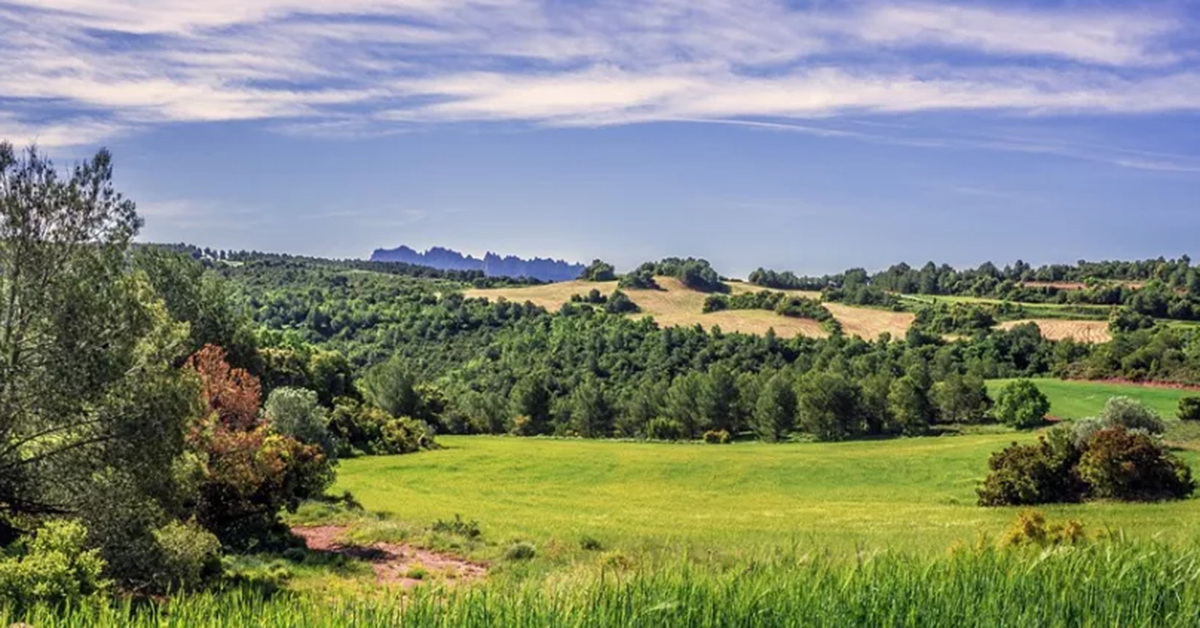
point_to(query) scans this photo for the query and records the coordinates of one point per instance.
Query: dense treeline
(1158, 288)
(515, 367)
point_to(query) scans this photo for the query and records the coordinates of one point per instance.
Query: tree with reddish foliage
(233, 394)
(248, 473)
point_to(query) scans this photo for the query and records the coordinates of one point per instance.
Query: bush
(295, 412)
(1189, 409)
(715, 303)
(590, 544)
(54, 568)
(403, 436)
(1021, 405)
(1126, 465)
(620, 303)
(1039, 473)
(664, 429)
(716, 437)
(520, 550)
(598, 270)
(1131, 415)
(457, 526)
(190, 556)
(1030, 528)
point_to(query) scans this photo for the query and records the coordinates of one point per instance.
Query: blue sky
(809, 136)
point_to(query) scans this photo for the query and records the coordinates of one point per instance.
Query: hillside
(492, 265)
(678, 306)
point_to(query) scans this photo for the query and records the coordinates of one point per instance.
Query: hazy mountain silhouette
(492, 264)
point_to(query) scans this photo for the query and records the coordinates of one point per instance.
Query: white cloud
(354, 66)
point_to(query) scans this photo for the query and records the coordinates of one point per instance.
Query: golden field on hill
(678, 306)
(1056, 329)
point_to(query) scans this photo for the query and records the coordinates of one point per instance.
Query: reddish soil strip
(1129, 382)
(394, 563)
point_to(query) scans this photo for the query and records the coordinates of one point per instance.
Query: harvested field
(869, 323)
(1054, 329)
(678, 306)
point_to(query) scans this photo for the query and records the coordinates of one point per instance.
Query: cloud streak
(97, 69)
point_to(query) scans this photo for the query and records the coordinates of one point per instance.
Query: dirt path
(394, 563)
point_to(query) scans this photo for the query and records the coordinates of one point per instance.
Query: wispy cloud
(355, 67)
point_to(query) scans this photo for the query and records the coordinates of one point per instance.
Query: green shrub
(716, 437)
(457, 526)
(190, 556)
(1126, 465)
(416, 572)
(1039, 473)
(1031, 528)
(590, 544)
(715, 303)
(620, 303)
(296, 412)
(54, 568)
(520, 550)
(1131, 415)
(663, 428)
(1189, 409)
(1021, 405)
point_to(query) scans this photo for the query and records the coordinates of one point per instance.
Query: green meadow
(1073, 399)
(914, 493)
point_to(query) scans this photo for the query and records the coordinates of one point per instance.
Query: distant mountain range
(492, 264)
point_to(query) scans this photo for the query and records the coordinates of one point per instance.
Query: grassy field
(916, 493)
(1077, 399)
(676, 305)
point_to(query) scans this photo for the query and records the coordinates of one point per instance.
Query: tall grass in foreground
(1098, 585)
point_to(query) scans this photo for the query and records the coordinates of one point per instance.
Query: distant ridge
(492, 264)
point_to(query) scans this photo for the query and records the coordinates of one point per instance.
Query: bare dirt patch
(394, 563)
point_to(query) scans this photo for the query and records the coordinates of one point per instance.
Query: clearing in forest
(895, 494)
(1055, 329)
(678, 306)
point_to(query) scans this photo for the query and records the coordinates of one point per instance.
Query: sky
(808, 136)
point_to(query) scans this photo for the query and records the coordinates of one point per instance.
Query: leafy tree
(720, 397)
(1020, 404)
(1039, 473)
(1131, 415)
(204, 302)
(86, 388)
(392, 388)
(331, 376)
(961, 399)
(591, 414)
(531, 401)
(828, 405)
(685, 404)
(620, 303)
(295, 412)
(909, 405)
(775, 412)
(1120, 464)
(598, 271)
(1189, 409)
(246, 474)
